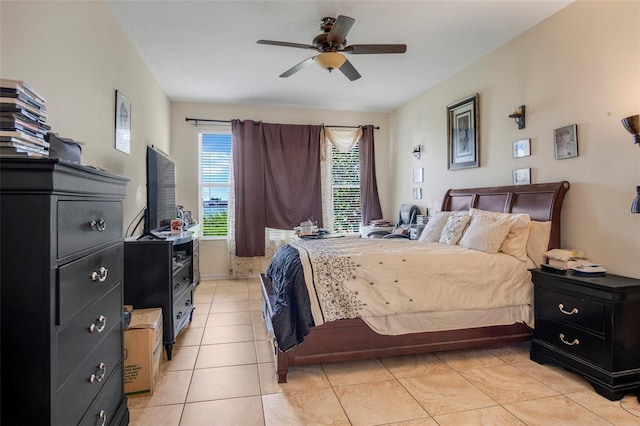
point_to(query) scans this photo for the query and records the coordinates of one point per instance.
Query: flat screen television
(161, 191)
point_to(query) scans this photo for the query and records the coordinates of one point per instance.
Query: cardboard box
(142, 351)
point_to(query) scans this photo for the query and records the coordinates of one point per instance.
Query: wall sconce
(632, 124)
(635, 206)
(416, 151)
(518, 115)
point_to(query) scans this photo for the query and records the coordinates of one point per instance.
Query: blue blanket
(292, 318)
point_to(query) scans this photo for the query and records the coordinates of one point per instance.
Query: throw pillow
(485, 234)
(453, 230)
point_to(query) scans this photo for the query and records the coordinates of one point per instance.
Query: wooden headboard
(542, 201)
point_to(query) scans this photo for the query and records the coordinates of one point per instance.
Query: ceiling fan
(331, 44)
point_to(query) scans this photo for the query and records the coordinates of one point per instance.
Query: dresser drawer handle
(574, 342)
(103, 416)
(573, 311)
(98, 225)
(102, 320)
(99, 374)
(100, 275)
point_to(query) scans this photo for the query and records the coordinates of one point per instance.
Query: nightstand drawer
(573, 340)
(571, 309)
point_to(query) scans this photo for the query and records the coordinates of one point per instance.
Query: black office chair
(406, 217)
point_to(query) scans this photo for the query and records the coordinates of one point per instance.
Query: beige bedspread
(360, 278)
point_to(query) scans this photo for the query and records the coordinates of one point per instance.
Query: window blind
(215, 183)
(345, 186)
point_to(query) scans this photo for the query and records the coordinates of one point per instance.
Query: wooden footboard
(352, 339)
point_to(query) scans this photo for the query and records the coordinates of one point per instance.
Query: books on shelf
(23, 116)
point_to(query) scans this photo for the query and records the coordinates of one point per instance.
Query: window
(345, 190)
(215, 182)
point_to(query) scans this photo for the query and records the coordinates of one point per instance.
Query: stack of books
(380, 222)
(23, 117)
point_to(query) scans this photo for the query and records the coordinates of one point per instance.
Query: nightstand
(589, 325)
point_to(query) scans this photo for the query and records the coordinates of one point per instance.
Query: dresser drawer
(182, 308)
(76, 340)
(573, 340)
(104, 409)
(92, 376)
(571, 309)
(84, 280)
(182, 278)
(86, 224)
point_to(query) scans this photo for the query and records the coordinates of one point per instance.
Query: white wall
(580, 66)
(76, 55)
(184, 150)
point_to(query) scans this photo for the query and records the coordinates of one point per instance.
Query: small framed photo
(418, 175)
(522, 148)
(417, 193)
(463, 129)
(522, 176)
(566, 142)
(123, 123)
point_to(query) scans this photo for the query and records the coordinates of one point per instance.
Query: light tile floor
(222, 373)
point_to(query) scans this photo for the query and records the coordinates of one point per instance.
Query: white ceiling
(206, 51)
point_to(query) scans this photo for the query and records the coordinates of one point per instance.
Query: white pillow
(485, 234)
(433, 229)
(453, 230)
(538, 242)
(515, 244)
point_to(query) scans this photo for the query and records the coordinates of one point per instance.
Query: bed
(329, 334)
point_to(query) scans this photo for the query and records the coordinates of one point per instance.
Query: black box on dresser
(61, 294)
(589, 325)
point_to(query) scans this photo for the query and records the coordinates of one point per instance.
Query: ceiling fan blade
(287, 44)
(339, 30)
(348, 70)
(298, 67)
(363, 49)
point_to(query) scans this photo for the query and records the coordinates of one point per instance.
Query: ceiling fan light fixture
(330, 60)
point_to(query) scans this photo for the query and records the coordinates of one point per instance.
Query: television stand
(159, 273)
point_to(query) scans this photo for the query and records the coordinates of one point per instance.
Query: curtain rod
(208, 120)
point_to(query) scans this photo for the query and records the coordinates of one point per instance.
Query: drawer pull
(99, 374)
(100, 275)
(179, 315)
(99, 225)
(103, 416)
(102, 320)
(573, 311)
(574, 342)
(187, 303)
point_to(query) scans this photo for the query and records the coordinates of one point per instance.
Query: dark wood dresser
(589, 325)
(160, 274)
(61, 294)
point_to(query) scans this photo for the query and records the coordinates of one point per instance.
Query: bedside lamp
(632, 124)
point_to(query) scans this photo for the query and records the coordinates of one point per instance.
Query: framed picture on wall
(522, 176)
(565, 141)
(463, 130)
(123, 123)
(418, 175)
(417, 193)
(522, 148)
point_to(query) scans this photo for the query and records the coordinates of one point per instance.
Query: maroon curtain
(248, 173)
(292, 175)
(277, 180)
(368, 184)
